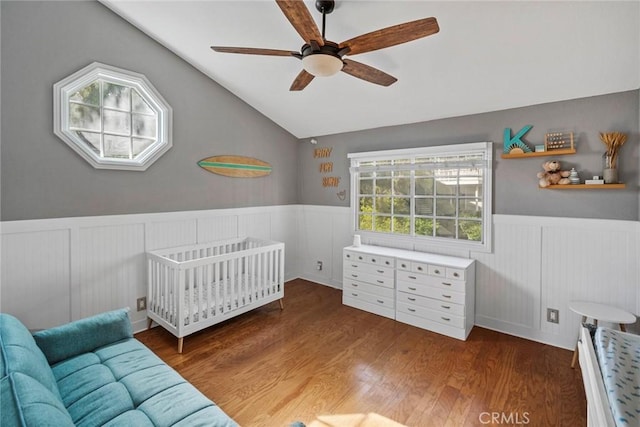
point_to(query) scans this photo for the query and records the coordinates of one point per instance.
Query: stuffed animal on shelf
(552, 174)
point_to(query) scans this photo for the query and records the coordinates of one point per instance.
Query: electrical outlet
(553, 315)
(319, 266)
(141, 303)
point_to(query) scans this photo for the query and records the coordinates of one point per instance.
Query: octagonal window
(112, 117)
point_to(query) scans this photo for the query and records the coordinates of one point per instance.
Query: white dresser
(368, 282)
(430, 291)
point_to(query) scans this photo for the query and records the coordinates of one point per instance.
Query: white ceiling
(488, 56)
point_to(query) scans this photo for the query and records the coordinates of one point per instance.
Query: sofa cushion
(20, 353)
(150, 381)
(101, 405)
(26, 402)
(127, 357)
(83, 382)
(174, 404)
(131, 418)
(84, 335)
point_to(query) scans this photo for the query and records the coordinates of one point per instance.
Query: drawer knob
(373, 260)
(412, 310)
(446, 296)
(412, 289)
(446, 307)
(348, 256)
(380, 281)
(404, 265)
(354, 265)
(387, 262)
(360, 258)
(354, 294)
(380, 271)
(436, 271)
(446, 319)
(354, 275)
(419, 268)
(412, 277)
(456, 275)
(380, 301)
(411, 299)
(446, 284)
(355, 285)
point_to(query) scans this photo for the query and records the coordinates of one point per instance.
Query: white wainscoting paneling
(537, 262)
(508, 280)
(322, 234)
(169, 234)
(58, 270)
(110, 273)
(592, 262)
(217, 227)
(35, 280)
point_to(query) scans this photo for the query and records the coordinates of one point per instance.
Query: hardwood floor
(271, 367)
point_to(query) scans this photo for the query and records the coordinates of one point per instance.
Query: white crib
(194, 287)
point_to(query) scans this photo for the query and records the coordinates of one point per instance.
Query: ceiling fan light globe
(322, 65)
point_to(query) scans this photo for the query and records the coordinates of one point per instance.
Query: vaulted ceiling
(488, 56)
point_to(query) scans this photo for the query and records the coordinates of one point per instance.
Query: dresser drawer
(380, 260)
(434, 304)
(403, 264)
(355, 285)
(431, 292)
(455, 273)
(438, 282)
(375, 270)
(436, 316)
(374, 279)
(431, 269)
(378, 300)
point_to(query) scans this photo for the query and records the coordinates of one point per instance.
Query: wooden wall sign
(236, 166)
(326, 167)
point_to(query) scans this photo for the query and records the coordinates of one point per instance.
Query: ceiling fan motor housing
(322, 61)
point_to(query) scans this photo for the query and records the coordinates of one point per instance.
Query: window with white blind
(441, 193)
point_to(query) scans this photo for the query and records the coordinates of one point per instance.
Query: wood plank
(270, 367)
(548, 153)
(585, 187)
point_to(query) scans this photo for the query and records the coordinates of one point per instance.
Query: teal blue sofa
(92, 372)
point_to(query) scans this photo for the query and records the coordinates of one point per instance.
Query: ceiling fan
(321, 57)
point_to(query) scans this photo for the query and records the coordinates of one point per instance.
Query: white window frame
(64, 89)
(484, 148)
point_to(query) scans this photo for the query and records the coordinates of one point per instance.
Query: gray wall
(515, 189)
(43, 42)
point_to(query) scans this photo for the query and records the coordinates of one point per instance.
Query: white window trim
(474, 147)
(65, 88)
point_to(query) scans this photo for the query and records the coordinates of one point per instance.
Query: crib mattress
(619, 358)
(196, 306)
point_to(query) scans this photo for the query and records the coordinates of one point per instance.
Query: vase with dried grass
(613, 141)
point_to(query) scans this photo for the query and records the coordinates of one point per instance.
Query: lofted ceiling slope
(488, 56)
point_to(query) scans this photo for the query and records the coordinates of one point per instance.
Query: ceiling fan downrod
(325, 7)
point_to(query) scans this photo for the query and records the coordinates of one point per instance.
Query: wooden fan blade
(392, 36)
(254, 51)
(299, 16)
(368, 73)
(301, 81)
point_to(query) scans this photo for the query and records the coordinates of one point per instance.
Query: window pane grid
(113, 120)
(443, 201)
